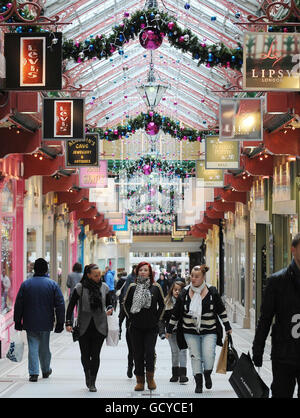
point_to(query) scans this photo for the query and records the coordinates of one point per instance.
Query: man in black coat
(282, 301)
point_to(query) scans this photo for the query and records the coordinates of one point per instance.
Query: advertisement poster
(221, 155)
(33, 62)
(208, 178)
(271, 61)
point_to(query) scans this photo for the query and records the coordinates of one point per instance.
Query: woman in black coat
(144, 306)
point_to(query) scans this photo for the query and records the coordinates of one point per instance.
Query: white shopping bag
(112, 338)
(16, 348)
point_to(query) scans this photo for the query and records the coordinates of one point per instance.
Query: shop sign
(271, 61)
(92, 177)
(63, 119)
(83, 153)
(33, 61)
(123, 227)
(221, 155)
(241, 119)
(208, 178)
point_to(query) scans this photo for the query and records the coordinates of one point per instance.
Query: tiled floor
(67, 379)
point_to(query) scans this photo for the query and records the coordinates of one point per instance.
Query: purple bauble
(151, 220)
(152, 128)
(147, 169)
(150, 38)
(171, 25)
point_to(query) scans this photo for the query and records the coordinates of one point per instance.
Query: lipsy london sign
(271, 61)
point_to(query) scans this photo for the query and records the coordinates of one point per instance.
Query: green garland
(179, 169)
(155, 218)
(167, 125)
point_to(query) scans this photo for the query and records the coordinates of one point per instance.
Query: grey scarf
(141, 296)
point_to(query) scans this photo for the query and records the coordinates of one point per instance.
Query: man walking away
(109, 278)
(282, 301)
(39, 302)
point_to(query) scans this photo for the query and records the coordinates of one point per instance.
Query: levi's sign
(271, 61)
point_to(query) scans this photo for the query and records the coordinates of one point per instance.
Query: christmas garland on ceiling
(142, 121)
(152, 219)
(146, 164)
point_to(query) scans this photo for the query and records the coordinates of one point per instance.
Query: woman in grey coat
(94, 306)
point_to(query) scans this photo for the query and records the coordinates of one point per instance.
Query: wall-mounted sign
(209, 178)
(33, 61)
(241, 119)
(63, 119)
(271, 61)
(90, 177)
(224, 154)
(85, 154)
(123, 227)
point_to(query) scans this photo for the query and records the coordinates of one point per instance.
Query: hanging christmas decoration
(150, 38)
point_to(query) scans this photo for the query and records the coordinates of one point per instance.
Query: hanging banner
(271, 61)
(241, 119)
(221, 155)
(63, 119)
(208, 178)
(84, 153)
(92, 177)
(33, 61)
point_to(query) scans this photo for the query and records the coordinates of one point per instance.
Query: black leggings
(143, 345)
(90, 344)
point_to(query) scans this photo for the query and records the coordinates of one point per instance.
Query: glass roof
(113, 82)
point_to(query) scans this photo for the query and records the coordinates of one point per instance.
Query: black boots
(87, 378)
(199, 383)
(175, 374)
(182, 375)
(208, 382)
(92, 384)
(129, 370)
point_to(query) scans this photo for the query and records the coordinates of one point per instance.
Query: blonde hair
(168, 298)
(203, 268)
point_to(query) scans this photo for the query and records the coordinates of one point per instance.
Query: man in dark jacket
(282, 301)
(38, 302)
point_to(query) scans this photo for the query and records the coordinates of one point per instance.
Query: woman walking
(179, 357)
(144, 306)
(197, 310)
(94, 306)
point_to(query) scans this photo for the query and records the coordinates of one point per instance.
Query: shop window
(48, 252)
(6, 264)
(31, 251)
(7, 197)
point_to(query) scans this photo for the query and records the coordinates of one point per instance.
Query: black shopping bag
(245, 380)
(232, 355)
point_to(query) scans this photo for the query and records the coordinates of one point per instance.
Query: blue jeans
(38, 351)
(202, 349)
(179, 357)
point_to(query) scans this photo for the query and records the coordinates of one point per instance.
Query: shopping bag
(222, 362)
(245, 380)
(232, 355)
(112, 337)
(16, 348)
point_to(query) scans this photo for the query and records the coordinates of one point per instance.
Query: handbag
(232, 355)
(118, 292)
(76, 328)
(222, 362)
(245, 380)
(112, 337)
(16, 349)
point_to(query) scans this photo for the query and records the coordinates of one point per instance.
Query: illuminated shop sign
(33, 61)
(221, 155)
(271, 61)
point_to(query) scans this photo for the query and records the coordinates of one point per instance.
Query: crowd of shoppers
(188, 314)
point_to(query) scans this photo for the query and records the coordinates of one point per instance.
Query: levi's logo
(296, 328)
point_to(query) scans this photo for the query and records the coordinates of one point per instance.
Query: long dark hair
(168, 298)
(144, 263)
(87, 270)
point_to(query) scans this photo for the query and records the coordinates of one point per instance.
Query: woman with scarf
(196, 312)
(144, 306)
(94, 306)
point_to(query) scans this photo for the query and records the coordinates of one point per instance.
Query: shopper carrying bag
(16, 348)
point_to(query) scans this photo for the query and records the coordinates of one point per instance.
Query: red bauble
(150, 38)
(152, 128)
